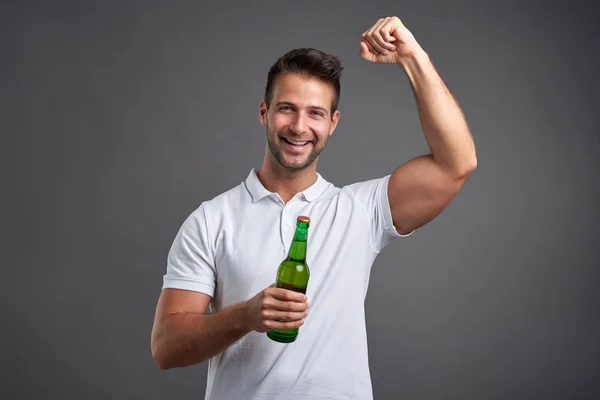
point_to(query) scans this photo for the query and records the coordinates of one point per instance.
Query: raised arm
(421, 188)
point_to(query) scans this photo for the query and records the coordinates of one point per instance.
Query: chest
(251, 247)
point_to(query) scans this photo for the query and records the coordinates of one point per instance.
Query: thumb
(364, 52)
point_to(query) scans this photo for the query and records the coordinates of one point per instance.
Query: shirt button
(287, 227)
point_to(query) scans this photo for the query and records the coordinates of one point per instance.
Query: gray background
(119, 118)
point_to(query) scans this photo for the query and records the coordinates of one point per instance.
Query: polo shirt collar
(258, 191)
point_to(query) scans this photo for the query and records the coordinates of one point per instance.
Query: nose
(299, 124)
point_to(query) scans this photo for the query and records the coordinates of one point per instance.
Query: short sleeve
(373, 197)
(190, 262)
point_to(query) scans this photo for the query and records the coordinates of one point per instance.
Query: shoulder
(231, 197)
(369, 184)
(213, 208)
(366, 190)
(358, 191)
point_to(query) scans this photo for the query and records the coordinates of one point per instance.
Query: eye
(319, 113)
(285, 108)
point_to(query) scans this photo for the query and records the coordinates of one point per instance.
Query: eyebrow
(287, 103)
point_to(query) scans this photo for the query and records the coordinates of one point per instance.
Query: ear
(262, 112)
(334, 121)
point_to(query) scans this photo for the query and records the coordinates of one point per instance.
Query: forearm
(185, 339)
(444, 125)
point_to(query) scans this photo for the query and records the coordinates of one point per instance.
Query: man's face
(300, 112)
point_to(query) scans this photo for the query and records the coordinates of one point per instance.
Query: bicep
(418, 191)
(175, 301)
(172, 302)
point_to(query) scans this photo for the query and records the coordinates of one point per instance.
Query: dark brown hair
(309, 62)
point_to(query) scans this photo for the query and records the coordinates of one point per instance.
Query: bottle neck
(298, 247)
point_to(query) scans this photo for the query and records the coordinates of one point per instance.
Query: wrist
(419, 70)
(242, 319)
(413, 60)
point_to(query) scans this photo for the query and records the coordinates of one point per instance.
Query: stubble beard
(278, 155)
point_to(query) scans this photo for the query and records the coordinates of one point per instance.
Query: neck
(284, 182)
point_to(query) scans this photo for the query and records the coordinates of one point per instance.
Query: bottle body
(293, 274)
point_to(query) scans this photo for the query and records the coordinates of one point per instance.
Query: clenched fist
(388, 42)
(276, 308)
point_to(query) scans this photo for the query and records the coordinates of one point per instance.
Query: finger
(370, 49)
(373, 42)
(386, 33)
(365, 52)
(378, 32)
(377, 25)
(274, 304)
(368, 36)
(283, 325)
(287, 295)
(371, 52)
(371, 28)
(283, 316)
(381, 42)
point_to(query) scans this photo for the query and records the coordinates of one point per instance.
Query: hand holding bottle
(276, 308)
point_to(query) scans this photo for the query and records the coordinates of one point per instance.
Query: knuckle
(264, 314)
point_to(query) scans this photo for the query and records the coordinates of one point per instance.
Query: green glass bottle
(293, 274)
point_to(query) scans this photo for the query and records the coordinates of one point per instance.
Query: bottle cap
(304, 219)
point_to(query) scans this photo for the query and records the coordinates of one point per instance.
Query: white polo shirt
(230, 248)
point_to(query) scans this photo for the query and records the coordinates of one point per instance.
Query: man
(227, 251)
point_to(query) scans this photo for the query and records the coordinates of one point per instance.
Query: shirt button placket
(285, 229)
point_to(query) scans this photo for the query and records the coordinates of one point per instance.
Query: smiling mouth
(295, 143)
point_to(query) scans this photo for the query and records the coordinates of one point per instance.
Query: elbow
(471, 166)
(466, 169)
(159, 354)
(161, 363)
(159, 359)
(166, 357)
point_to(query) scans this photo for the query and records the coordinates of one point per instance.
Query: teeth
(296, 143)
